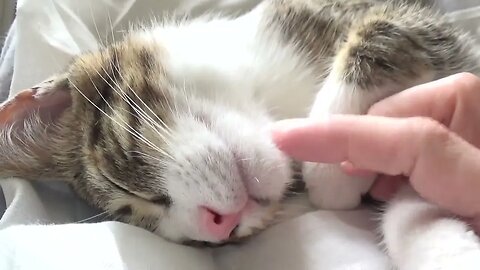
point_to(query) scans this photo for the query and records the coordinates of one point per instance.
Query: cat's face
(152, 155)
(212, 175)
(223, 177)
(220, 176)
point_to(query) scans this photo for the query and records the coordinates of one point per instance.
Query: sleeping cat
(168, 129)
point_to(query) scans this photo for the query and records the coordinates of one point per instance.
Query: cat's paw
(451, 248)
(420, 235)
(330, 188)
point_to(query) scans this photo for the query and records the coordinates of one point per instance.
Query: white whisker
(131, 102)
(144, 116)
(129, 130)
(141, 114)
(160, 123)
(148, 156)
(96, 26)
(92, 217)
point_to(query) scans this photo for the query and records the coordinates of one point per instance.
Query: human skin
(428, 134)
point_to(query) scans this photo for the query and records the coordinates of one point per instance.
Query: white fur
(329, 187)
(419, 235)
(237, 80)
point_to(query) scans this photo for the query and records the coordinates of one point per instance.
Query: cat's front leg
(378, 60)
(328, 186)
(419, 235)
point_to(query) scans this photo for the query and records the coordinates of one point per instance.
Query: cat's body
(177, 139)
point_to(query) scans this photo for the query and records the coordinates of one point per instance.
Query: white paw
(420, 235)
(330, 188)
(447, 246)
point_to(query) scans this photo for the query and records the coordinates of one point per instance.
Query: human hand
(429, 133)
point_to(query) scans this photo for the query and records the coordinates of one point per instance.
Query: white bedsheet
(49, 33)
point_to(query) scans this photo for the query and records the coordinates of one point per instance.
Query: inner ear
(45, 103)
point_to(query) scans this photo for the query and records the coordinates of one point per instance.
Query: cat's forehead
(136, 56)
(133, 67)
(120, 97)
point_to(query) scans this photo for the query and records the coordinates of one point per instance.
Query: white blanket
(49, 33)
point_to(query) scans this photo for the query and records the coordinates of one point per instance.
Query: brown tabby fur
(365, 43)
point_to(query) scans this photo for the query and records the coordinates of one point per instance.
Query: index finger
(436, 160)
(368, 142)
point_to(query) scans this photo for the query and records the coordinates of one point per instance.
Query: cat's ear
(45, 102)
(27, 121)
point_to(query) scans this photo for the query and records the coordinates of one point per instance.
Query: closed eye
(163, 199)
(261, 202)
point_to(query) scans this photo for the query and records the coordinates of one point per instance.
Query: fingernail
(348, 166)
(351, 169)
(281, 131)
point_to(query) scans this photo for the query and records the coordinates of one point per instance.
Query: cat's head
(147, 151)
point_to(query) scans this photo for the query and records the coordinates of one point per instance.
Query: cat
(168, 129)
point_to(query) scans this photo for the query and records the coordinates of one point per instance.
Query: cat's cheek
(266, 171)
(255, 218)
(269, 182)
(178, 224)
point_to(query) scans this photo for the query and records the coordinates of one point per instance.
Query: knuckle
(468, 76)
(431, 130)
(465, 88)
(467, 82)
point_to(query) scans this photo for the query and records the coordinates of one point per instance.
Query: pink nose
(217, 225)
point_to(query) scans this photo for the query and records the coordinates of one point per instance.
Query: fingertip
(304, 139)
(282, 131)
(283, 126)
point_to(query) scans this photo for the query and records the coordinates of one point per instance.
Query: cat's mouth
(232, 240)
